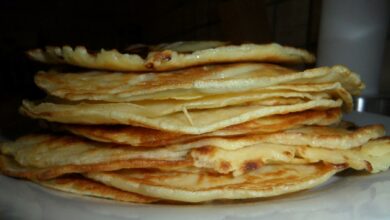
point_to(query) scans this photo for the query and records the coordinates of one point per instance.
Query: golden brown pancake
(335, 137)
(76, 184)
(187, 185)
(145, 137)
(172, 56)
(277, 95)
(255, 156)
(50, 156)
(156, 108)
(190, 83)
(193, 122)
(184, 186)
(10, 167)
(86, 187)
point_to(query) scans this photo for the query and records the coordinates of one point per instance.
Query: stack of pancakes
(191, 122)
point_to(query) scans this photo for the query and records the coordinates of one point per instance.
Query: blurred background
(117, 24)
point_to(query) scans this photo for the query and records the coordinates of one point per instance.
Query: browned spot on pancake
(149, 65)
(162, 57)
(331, 113)
(343, 166)
(154, 138)
(300, 152)
(251, 165)
(277, 173)
(225, 166)
(339, 166)
(201, 178)
(205, 150)
(287, 153)
(65, 141)
(368, 166)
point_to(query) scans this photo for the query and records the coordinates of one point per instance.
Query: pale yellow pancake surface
(184, 186)
(172, 56)
(189, 122)
(138, 136)
(190, 83)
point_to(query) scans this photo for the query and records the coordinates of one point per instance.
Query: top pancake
(171, 56)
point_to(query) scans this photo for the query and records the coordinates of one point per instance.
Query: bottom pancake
(184, 184)
(271, 180)
(10, 167)
(81, 186)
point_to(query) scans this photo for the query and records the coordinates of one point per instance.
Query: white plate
(344, 197)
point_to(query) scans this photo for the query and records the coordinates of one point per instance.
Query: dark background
(117, 24)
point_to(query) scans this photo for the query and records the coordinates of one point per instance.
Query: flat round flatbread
(11, 167)
(171, 56)
(188, 122)
(195, 83)
(257, 156)
(48, 156)
(184, 186)
(86, 187)
(146, 137)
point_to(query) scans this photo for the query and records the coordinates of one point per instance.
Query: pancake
(191, 122)
(51, 156)
(190, 83)
(280, 122)
(278, 95)
(257, 156)
(145, 137)
(171, 56)
(157, 108)
(10, 167)
(86, 187)
(139, 185)
(76, 184)
(378, 150)
(45, 150)
(183, 186)
(336, 137)
(194, 122)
